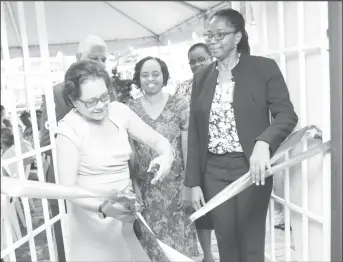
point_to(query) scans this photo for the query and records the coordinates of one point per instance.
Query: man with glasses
(92, 48)
(199, 55)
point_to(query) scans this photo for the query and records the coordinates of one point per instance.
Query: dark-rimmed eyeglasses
(94, 101)
(200, 60)
(218, 36)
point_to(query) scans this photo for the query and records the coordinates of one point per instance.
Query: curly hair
(80, 72)
(139, 65)
(237, 21)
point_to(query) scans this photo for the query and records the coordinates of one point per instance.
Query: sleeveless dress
(102, 166)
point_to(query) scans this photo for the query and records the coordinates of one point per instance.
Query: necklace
(229, 87)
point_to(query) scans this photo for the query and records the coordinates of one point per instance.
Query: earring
(235, 45)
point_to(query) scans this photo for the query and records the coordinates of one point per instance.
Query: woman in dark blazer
(230, 133)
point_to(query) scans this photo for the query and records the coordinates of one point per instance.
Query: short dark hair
(79, 73)
(7, 137)
(25, 114)
(199, 45)
(237, 21)
(7, 123)
(139, 65)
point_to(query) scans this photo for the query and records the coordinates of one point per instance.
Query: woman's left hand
(161, 166)
(119, 211)
(259, 161)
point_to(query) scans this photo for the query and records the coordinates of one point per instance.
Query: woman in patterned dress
(167, 206)
(199, 55)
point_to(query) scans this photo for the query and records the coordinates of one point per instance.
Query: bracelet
(100, 212)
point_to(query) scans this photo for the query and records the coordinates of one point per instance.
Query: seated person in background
(25, 118)
(39, 117)
(8, 151)
(4, 122)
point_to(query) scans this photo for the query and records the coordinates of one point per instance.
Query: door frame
(335, 59)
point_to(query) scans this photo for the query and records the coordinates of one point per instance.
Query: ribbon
(278, 164)
(125, 199)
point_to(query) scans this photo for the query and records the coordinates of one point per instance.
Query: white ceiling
(119, 23)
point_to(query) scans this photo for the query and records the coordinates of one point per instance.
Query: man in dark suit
(93, 48)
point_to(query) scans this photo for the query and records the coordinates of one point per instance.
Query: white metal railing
(8, 251)
(302, 49)
(307, 216)
(291, 210)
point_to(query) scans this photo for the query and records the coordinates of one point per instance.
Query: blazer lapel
(241, 92)
(208, 86)
(207, 92)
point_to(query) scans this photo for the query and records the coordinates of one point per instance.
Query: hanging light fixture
(195, 36)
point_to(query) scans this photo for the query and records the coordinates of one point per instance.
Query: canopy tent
(119, 23)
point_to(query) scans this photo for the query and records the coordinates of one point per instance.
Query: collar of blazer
(206, 81)
(206, 78)
(202, 95)
(211, 69)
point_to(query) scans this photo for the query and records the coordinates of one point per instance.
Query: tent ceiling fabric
(68, 22)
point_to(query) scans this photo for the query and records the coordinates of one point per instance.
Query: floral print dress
(170, 224)
(184, 89)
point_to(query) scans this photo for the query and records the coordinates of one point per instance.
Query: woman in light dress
(92, 152)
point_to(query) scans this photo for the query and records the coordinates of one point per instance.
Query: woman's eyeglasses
(94, 101)
(218, 36)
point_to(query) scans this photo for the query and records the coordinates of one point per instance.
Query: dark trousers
(55, 211)
(239, 223)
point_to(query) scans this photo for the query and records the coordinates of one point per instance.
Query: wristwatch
(100, 212)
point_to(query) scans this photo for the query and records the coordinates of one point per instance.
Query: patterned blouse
(223, 137)
(184, 89)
